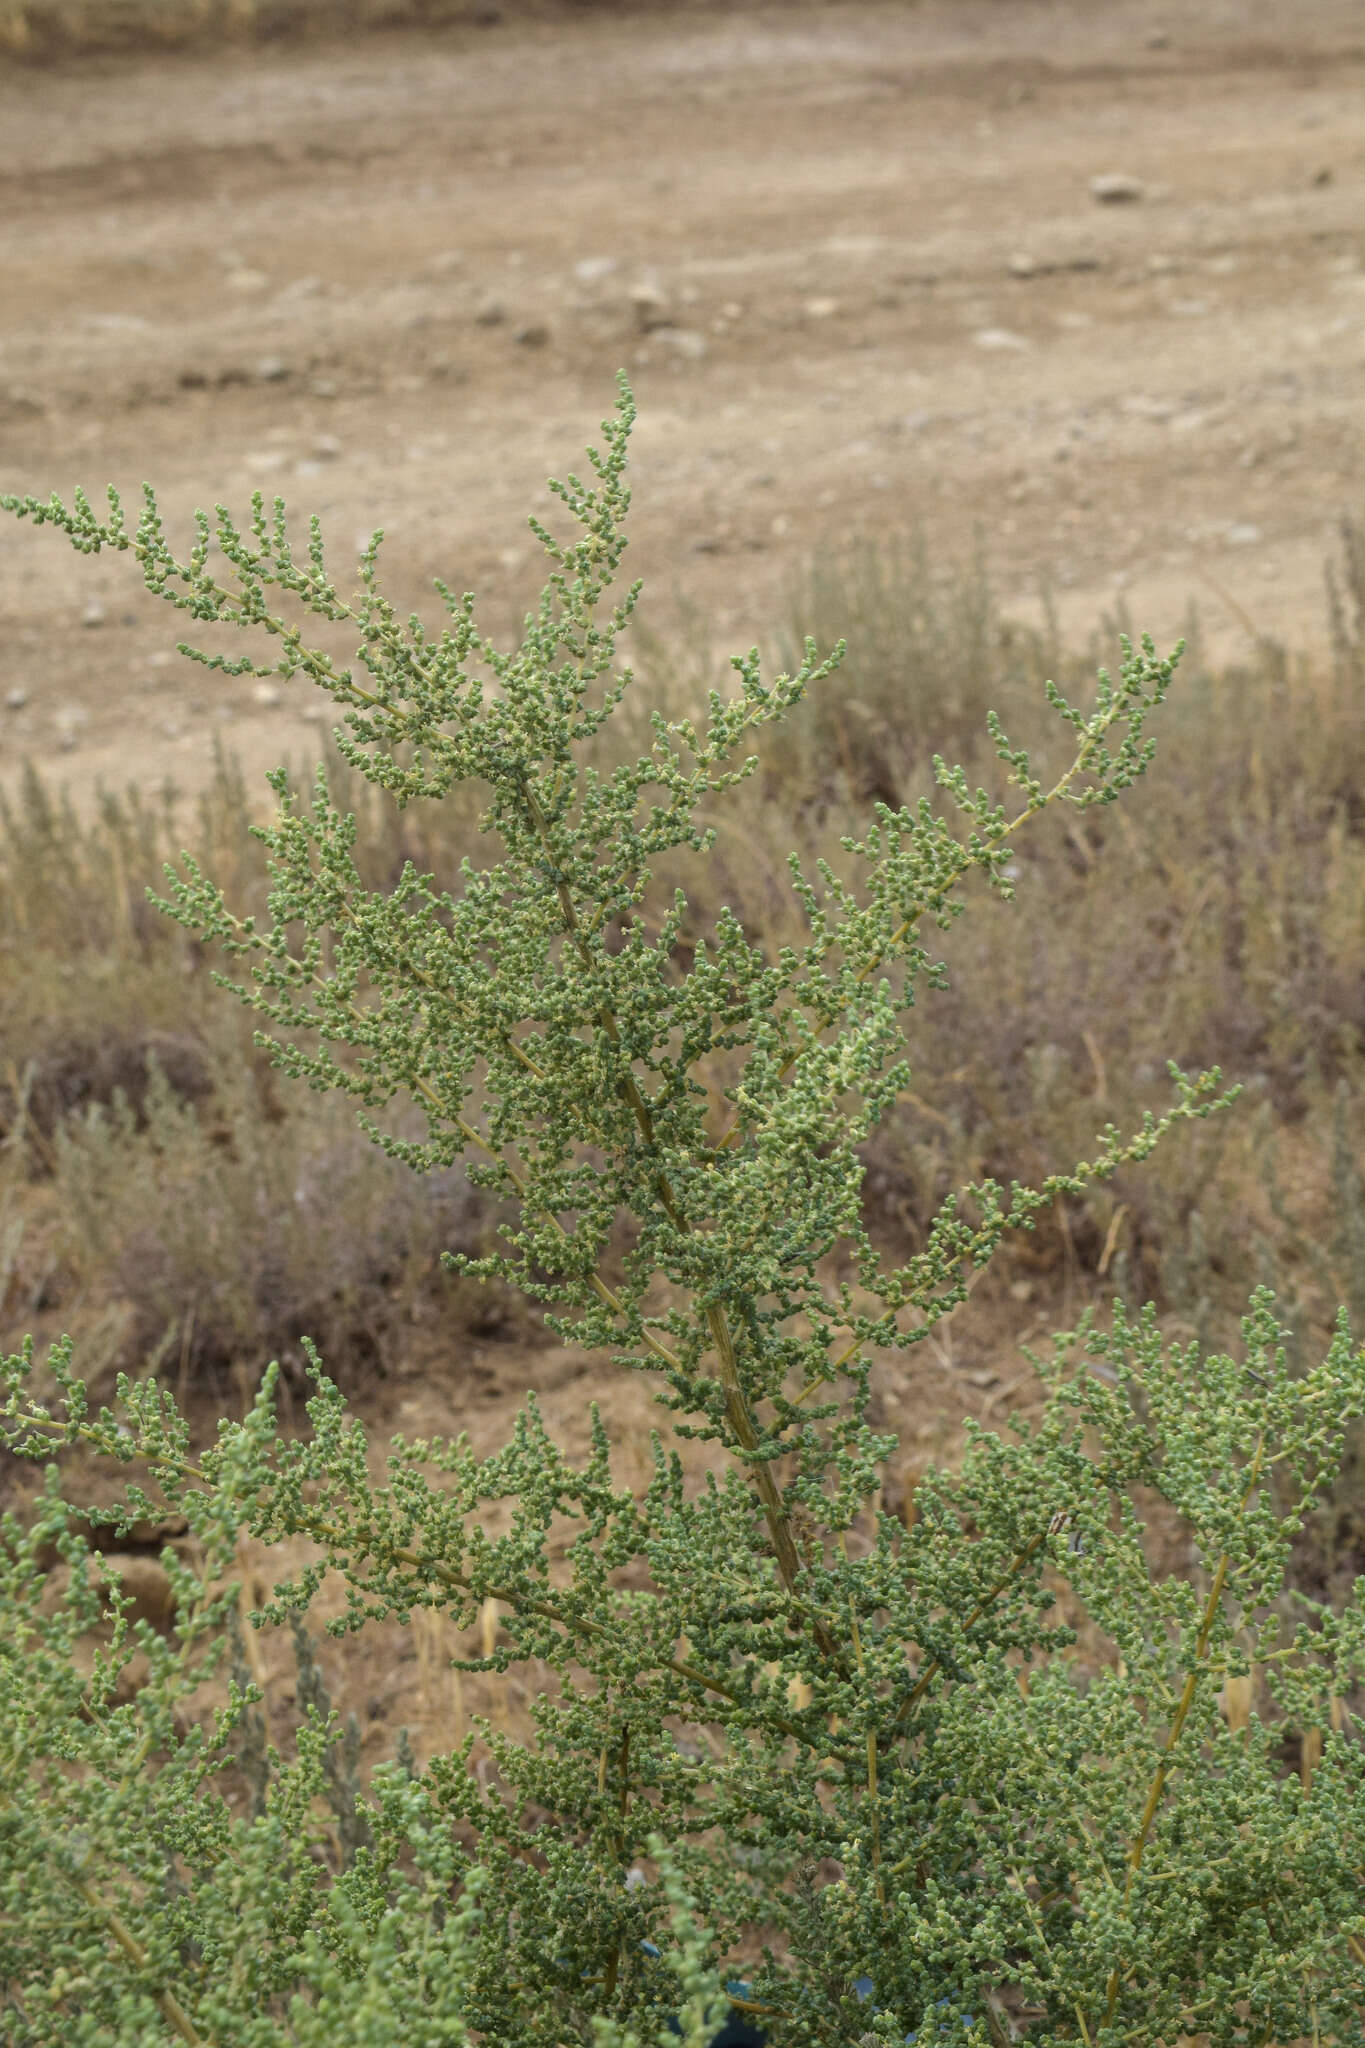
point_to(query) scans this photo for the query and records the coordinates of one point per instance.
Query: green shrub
(1063, 1752)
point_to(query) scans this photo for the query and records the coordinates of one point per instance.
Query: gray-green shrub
(908, 1770)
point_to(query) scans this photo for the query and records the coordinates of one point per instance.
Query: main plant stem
(738, 1413)
(1178, 1720)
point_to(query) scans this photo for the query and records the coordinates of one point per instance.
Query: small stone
(684, 341)
(273, 369)
(15, 700)
(192, 380)
(590, 268)
(534, 334)
(489, 313)
(998, 338)
(326, 448)
(1021, 264)
(94, 613)
(266, 695)
(821, 309)
(323, 387)
(1323, 175)
(1116, 188)
(1243, 536)
(246, 280)
(650, 303)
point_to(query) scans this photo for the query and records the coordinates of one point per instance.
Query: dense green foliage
(855, 1749)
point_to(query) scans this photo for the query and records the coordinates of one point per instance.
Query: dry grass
(156, 1184)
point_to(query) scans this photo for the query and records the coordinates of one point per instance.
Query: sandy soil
(850, 256)
(852, 259)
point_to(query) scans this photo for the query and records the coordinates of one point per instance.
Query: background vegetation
(165, 1197)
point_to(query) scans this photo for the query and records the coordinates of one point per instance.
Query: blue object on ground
(741, 2032)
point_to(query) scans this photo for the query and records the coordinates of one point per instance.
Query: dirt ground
(850, 256)
(855, 262)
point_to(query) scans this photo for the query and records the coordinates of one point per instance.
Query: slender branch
(327, 1535)
(1178, 1719)
(872, 1789)
(623, 1808)
(1020, 1562)
(167, 2004)
(907, 925)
